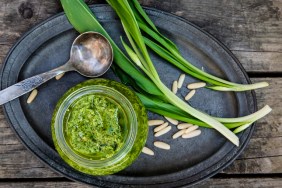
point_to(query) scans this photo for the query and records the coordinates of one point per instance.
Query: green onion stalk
(168, 50)
(140, 73)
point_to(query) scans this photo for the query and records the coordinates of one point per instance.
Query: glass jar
(135, 128)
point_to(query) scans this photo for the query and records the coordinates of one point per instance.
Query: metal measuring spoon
(91, 55)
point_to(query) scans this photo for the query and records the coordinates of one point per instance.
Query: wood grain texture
(211, 183)
(249, 25)
(262, 155)
(242, 183)
(44, 184)
(258, 62)
(252, 29)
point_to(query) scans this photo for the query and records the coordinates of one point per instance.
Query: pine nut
(178, 134)
(192, 134)
(59, 76)
(162, 145)
(172, 121)
(191, 129)
(163, 131)
(147, 151)
(196, 85)
(32, 96)
(180, 81)
(155, 122)
(190, 94)
(174, 87)
(184, 125)
(157, 129)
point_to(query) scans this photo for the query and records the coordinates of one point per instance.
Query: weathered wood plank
(260, 61)
(43, 184)
(15, 160)
(257, 165)
(264, 152)
(4, 49)
(252, 25)
(263, 147)
(211, 183)
(241, 182)
(251, 28)
(262, 155)
(271, 125)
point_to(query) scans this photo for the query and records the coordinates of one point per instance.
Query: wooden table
(251, 29)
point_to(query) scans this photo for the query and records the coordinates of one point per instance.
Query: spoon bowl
(91, 55)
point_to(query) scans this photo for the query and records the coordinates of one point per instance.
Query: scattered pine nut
(178, 134)
(32, 96)
(162, 145)
(157, 129)
(163, 131)
(191, 129)
(59, 76)
(180, 81)
(190, 94)
(196, 85)
(147, 151)
(172, 121)
(184, 125)
(155, 122)
(192, 134)
(174, 87)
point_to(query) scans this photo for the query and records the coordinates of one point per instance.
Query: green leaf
(173, 99)
(220, 84)
(151, 102)
(180, 118)
(166, 109)
(143, 18)
(169, 57)
(83, 20)
(249, 118)
(153, 75)
(130, 24)
(241, 128)
(143, 14)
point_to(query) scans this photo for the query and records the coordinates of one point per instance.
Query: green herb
(92, 127)
(140, 56)
(83, 20)
(174, 112)
(167, 50)
(153, 93)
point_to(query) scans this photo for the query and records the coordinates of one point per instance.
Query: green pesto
(92, 126)
(141, 134)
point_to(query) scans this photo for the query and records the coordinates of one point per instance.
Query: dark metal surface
(189, 161)
(92, 62)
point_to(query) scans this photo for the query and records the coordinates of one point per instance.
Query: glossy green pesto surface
(139, 141)
(92, 126)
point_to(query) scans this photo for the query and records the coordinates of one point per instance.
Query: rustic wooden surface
(252, 29)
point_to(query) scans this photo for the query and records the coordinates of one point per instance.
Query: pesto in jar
(92, 126)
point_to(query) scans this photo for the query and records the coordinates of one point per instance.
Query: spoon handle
(29, 84)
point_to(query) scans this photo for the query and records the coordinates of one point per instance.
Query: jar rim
(130, 137)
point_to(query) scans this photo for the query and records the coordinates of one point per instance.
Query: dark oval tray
(190, 161)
